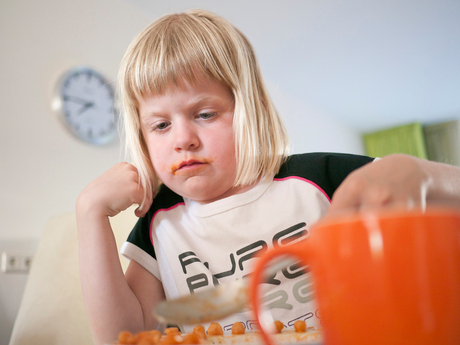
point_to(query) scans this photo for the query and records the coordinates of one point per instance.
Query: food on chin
(214, 335)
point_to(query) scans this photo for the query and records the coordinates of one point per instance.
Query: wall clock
(85, 102)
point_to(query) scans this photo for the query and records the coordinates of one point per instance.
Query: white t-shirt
(190, 246)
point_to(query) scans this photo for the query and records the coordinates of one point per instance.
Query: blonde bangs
(176, 47)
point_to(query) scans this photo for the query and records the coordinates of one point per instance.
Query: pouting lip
(195, 162)
(188, 162)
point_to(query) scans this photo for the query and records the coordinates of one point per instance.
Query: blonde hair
(187, 45)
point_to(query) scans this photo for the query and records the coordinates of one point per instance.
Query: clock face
(85, 101)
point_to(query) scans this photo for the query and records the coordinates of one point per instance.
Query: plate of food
(214, 335)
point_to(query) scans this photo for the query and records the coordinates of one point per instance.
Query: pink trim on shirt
(154, 215)
(305, 180)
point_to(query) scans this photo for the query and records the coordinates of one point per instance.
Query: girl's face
(189, 134)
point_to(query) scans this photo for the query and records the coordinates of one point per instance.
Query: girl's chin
(198, 188)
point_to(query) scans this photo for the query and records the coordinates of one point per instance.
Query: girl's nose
(185, 137)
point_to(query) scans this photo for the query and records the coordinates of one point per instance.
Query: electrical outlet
(16, 262)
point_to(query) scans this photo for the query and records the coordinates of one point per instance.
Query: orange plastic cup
(381, 278)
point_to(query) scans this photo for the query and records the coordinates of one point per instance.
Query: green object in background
(408, 139)
(443, 142)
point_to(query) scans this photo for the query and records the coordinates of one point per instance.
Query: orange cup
(381, 278)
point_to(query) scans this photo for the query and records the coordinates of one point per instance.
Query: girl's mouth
(189, 167)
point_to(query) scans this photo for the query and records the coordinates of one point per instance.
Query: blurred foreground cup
(380, 277)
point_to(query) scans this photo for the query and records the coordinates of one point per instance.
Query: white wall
(42, 167)
(311, 129)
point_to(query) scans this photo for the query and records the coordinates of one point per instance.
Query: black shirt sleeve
(140, 235)
(327, 170)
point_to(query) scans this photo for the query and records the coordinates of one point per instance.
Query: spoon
(214, 303)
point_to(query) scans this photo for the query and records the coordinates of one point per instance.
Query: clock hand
(87, 105)
(76, 100)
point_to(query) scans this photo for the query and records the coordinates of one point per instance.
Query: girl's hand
(115, 191)
(395, 180)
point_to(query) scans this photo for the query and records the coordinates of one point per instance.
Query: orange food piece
(143, 340)
(154, 336)
(171, 339)
(191, 339)
(300, 326)
(238, 328)
(278, 326)
(215, 329)
(147, 337)
(199, 331)
(172, 330)
(126, 337)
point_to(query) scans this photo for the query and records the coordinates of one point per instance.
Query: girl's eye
(207, 116)
(161, 126)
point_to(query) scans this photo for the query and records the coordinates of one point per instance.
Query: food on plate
(172, 331)
(238, 328)
(300, 334)
(300, 326)
(215, 329)
(141, 338)
(278, 326)
(191, 338)
(199, 331)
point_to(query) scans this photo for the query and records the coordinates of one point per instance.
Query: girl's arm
(112, 304)
(138, 278)
(398, 180)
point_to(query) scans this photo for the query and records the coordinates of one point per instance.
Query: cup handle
(299, 252)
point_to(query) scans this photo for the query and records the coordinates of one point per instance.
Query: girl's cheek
(156, 161)
(160, 166)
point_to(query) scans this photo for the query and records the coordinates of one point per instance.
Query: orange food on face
(278, 326)
(215, 329)
(199, 331)
(238, 328)
(300, 326)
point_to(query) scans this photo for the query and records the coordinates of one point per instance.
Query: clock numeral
(67, 83)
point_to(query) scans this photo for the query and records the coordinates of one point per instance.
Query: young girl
(214, 182)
